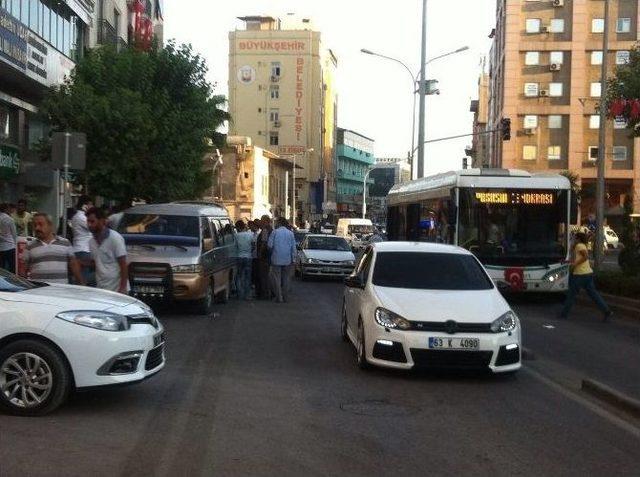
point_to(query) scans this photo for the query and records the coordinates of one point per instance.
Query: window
(623, 25)
(276, 69)
(555, 121)
(531, 89)
(594, 121)
(274, 115)
(619, 123)
(556, 57)
(429, 271)
(596, 89)
(532, 58)
(533, 25)
(529, 152)
(556, 25)
(116, 22)
(554, 153)
(275, 92)
(530, 121)
(622, 57)
(274, 139)
(225, 232)
(597, 25)
(596, 57)
(34, 17)
(593, 153)
(619, 153)
(555, 89)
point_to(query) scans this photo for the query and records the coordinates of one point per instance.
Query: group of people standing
(96, 256)
(266, 257)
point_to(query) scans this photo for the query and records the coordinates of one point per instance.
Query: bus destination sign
(516, 197)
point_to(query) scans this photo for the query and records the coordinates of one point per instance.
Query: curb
(611, 396)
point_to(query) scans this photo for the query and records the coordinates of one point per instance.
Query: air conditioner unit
(555, 66)
(276, 124)
(544, 29)
(275, 79)
(529, 131)
(557, 3)
(544, 92)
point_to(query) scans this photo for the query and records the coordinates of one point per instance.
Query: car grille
(154, 358)
(442, 327)
(450, 358)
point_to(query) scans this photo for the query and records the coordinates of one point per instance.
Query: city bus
(515, 222)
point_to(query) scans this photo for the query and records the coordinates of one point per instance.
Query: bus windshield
(514, 227)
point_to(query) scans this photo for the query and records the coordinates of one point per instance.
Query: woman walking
(582, 277)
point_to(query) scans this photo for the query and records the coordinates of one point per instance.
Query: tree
(150, 117)
(623, 92)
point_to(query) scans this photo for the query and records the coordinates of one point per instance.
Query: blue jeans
(88, 272)
(576, 283)
(244, 278)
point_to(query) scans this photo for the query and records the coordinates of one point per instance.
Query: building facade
(479, 150)
(40, 42)
(282, 94)
(354, 157)
(387, 172)
(545, 76)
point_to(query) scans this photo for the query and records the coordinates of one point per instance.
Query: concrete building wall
(515, 75)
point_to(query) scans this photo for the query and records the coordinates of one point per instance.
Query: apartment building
(354, 156)
(479, 150)
(282, 94)
(545, 69)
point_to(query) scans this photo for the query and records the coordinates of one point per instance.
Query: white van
(356, 231)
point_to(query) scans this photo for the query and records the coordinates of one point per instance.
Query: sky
(375, 95)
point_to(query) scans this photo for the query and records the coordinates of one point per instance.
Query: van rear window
(159, 225)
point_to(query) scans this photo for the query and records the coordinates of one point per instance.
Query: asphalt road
(268, 389)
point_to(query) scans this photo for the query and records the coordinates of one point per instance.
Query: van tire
(204, 306)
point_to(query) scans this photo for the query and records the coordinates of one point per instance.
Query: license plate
(454, 343)
(149, 289)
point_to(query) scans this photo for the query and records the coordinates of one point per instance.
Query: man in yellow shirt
(582, 277)
(22, 218)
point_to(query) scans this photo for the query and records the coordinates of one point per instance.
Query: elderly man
(48, 258)
(282, 244)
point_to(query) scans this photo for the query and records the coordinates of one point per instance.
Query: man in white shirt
(109, 253)
(8, 240)
(245, 244)
(82, 236)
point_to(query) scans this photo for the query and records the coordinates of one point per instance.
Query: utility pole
(602, 144)
(422, 91)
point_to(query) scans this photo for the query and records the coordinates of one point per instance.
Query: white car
(610, 237)
(324, 256)
(57, 338)
(428, 305)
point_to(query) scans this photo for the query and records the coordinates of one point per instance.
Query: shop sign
(9, 161)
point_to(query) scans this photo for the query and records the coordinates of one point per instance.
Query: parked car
(356, 231)
(428, 305)
(324, 256)
(299, 235)
(180, 252)
(57, 338)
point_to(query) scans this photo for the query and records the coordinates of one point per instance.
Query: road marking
(549, 327)
(603, 413)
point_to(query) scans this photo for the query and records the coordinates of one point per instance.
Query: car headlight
(556, 275)
(100, 320)
(193, 268)
(507, 322)
(389, 319)
(311, 260)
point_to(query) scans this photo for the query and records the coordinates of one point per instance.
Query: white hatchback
(56, 338)
(428, 305)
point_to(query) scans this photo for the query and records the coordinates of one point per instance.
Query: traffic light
(505, 127)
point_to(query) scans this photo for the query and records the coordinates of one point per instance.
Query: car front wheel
(34, 378)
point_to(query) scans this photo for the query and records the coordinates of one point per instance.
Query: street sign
(77, 150)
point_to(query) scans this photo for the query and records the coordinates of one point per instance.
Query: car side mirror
(354, 281)
(207, 244)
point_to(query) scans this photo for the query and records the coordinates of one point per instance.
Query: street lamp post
(414, 82)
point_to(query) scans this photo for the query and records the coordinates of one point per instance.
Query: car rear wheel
(34, 378)
(361, 352)
(343, 324)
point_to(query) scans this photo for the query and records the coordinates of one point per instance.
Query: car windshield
(429, 271)
(13, 283)
(159, 225)
(328, 243)
(360, 229)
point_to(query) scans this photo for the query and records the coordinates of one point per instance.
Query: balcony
(108, 35)
(352, 153)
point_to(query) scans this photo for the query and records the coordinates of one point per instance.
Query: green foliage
(148, 117)
(629, 258)
(625, 85)
(617, 283)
